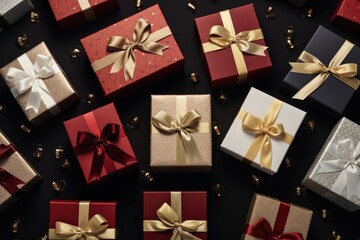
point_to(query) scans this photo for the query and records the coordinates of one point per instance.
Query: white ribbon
(348, 162)
(31, 79)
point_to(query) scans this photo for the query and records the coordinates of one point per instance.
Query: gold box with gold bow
(262, 131)
(180, 132)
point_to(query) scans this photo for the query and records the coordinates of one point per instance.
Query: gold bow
(169, 219)
(184, 126)
(122, 48)
(264, 130)
(94, 227)
(312, 65)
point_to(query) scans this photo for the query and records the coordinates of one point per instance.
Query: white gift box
(237, 141)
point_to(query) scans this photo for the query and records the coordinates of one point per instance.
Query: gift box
(12, 10)
(180, 132)
(268, 218)
(100, 144)
(298, 3)
(72, 13)
(124, 61)
(262, 131)
(347, 15)
(38, 84)
(82, 219)
(335, 171)
(311, 80)
(246, 58)
(182, 215)
(16, 175)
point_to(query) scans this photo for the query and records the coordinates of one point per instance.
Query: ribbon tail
(118, 155)
(34, 101)
(190, 147)
(255, 148)
(9, 181)
(254, 49)
(353, 184)
(311, 86)
(186, 235)
(266, 153)
(130, 65)
(97, 163)
(340, 182)
(153, 47)
(119, 62)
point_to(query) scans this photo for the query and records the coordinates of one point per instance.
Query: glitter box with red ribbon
(347, 15)
(175, 215)
(16, 175)
(100, 144)
(71, 219)
(133, 53)
(71, 13)
(268, 218)
(235, 37)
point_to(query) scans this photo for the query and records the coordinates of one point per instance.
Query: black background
(226, 215)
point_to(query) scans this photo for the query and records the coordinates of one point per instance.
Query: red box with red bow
(100, 144)
(347, 15)
(133, 53)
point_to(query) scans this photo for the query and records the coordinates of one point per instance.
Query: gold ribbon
(222, 37)
(86, 9)
(264, 130)
(312, 65)
(122, 48)
(170, 219)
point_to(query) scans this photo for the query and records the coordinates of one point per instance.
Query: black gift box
(333, 94)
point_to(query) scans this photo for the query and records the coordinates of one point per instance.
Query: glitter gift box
(125, 62)
(16, 175)
(347, 15)
(71, 13)
(268, 218)
(12, 10)
(101, 144)
(38, 84)
(262, 131)
(336, 169)
(180, 132)
(241, 60)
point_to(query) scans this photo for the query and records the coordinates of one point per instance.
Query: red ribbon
(7, 180)
(262, 228)
(87, 141)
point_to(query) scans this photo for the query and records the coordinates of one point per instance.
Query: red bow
(7, 180)
(87, 141)
(262, 229)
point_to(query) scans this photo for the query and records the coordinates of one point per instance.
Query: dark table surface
(226, 215)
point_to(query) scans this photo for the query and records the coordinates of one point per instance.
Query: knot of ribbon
(122, 49)
(347, 162)
(101, 145)
(184, 126)
(91, 231)
(31, 79)
(7, 180)
(312, 65)
(263, 230)
(222, 37)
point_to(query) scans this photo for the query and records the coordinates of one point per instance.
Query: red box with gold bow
(16, 175)
(235, 37)
(182, 215)
(133, 53)
(347, 15)
(268, 218)
(82, 220)
(100, 144)
(71, 13)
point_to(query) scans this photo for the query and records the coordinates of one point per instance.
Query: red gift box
(69, 218)
(146, 65)
(100, 144)
(190, 213)
(347, 15)
(236, 65)
(71, 13)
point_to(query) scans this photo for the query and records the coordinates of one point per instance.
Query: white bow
(30, 78)
(348, 162)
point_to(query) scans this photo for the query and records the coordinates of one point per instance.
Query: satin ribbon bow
(262, 230)
(170, 220)
(123, 49)
(91, 231)
(87, 141)
(31, 79)
(312, 65)
(222, 37)
(184, 126)
(7, 180)
(347, 162)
